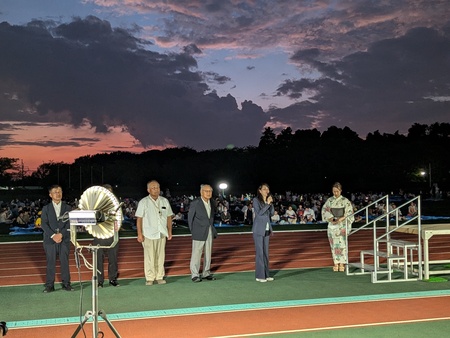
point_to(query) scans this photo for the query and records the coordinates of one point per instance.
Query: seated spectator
(300, 214)
(248, 214)
(412, 210)
(23, 218)
(309, 215)
(220, 207)
(290, 215)
(381, 210)
(5, 216)
(225, 216)
(178, 219)
(20, 219)
(275, 217)
(392, 207)
(38, 221)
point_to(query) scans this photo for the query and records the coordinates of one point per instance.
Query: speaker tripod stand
(95, 313)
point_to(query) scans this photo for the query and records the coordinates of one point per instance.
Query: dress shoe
(161, 281)
(210, 277)
(261, 280)
(269, 279)
(100, 284)
(196, 279)
(49, 289)
(68, 287)
(149, 282)
(114, 283)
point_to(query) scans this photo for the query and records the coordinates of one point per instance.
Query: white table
(428, 231)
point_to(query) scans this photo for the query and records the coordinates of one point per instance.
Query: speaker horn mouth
(107, 209)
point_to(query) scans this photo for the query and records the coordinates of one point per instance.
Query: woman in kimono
(338, 212)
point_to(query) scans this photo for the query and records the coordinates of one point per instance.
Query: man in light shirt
(154, 225)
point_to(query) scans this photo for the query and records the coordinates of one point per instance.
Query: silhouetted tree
(417, 131)
(300, 161)
(7, 164)
(284, 138)
(268, 138)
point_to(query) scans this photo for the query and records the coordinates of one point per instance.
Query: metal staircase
(391, 258)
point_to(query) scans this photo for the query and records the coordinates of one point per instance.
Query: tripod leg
(102, 314)
(80, 326)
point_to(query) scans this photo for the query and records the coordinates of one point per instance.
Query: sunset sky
(81, 77)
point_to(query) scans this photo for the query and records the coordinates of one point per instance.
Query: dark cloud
(87, 70)
(7, 126)
(338, 28)
(5, 139)
(364, 64)
(215, 77)
(396, 83)
(48, 144)
(54, 144)
(125, 148)
(192, 49)
(346, 52)
(85, 139)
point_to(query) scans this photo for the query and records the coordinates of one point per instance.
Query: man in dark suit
(113, 270)
(56, 239)
(201, 223)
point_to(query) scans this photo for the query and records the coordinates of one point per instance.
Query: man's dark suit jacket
(50, 223)
(199, 222)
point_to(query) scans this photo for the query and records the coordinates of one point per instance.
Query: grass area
(179, 292)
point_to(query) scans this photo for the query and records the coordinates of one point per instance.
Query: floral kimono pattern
(337, 232)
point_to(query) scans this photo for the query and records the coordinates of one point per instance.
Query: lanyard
(156, 204)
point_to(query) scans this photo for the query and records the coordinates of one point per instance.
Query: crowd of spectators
(290, 208)
(19, 213)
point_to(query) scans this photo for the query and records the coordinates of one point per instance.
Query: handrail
(406, 222)
(366, 209)
(386, 216)
(418, 217)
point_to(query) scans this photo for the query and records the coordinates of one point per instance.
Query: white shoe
(261, 280)
(269, 279)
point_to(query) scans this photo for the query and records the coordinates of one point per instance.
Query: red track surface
(285, 320)
(24, 263)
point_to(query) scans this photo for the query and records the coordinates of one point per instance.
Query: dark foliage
(300, 161)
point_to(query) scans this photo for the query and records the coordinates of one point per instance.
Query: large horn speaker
(107, 210)
(100, 213)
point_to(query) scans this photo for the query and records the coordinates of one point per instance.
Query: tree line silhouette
(301, 161)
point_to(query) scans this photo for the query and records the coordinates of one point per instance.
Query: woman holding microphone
(262, 229)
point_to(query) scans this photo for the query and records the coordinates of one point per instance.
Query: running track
(24, 263)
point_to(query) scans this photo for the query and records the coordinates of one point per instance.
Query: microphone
(120, 206)
(64, 217)
(112, 212)
(99, 216)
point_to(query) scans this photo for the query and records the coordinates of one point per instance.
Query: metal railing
(389, 228)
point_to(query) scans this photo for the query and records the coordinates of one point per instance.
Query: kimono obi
(338, 212)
